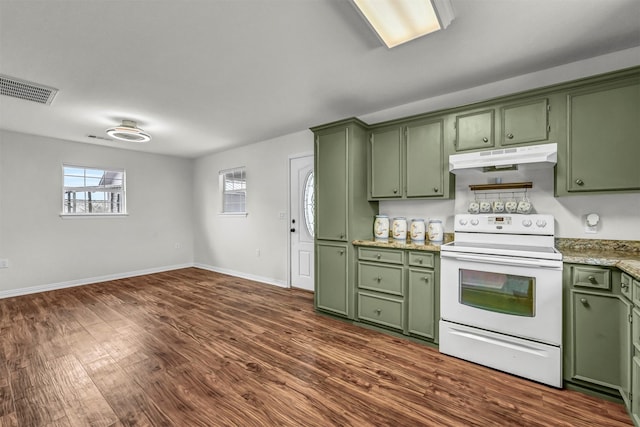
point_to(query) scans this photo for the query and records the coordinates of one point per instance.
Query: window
(309, 203)
(92, 191)
(234, 190)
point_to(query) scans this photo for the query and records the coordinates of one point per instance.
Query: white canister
(417, 230)
(399, 228)
(435, 231)
(381, 228)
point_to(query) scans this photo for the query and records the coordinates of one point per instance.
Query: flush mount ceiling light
(128, 131)
(399, 21)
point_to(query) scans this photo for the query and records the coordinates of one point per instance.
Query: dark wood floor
(195, 348)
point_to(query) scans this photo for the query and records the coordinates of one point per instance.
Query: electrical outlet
(4, 263)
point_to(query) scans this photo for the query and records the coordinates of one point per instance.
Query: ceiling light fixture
(399, 21)
(128, 131)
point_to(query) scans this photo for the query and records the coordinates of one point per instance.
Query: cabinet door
(386, 162)
(331, 287)
(525, 122)
(475, 130)
(425, 164)
(331, 185)
(604, 138)
(421, 299)
(635, 404)
(600, 331)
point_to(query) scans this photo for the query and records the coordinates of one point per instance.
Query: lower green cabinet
(333, 288)
(635, 387)
(601, 331)
(422, 320)
(399, 289)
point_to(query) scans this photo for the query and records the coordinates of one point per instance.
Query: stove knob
(526, 222)
(541, 223)
(474, 221)
(463, 221)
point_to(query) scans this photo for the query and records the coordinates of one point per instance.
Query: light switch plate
(4, 263)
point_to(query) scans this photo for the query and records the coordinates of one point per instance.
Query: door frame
(289, 215)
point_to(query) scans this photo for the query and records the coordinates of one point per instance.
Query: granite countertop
(407, 244)
(623, 254)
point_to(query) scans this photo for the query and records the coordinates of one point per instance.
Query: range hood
(512, 158)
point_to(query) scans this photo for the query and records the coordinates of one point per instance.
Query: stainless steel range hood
(513, 158)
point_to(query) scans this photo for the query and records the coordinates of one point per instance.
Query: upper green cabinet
(518, 122)
(331, 189)
(407, 161)
(524, 122)
(603, 137)
(475, 130)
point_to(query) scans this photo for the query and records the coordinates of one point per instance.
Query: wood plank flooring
(196, 348)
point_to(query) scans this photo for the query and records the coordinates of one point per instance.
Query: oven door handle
(518, 262)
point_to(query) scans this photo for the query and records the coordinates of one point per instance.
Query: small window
(234, 190)
(93, 191)
(309, 203)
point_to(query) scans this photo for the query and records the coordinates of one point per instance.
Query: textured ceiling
(203, 76)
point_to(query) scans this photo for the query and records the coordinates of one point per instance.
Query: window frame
(123, 191)
(222, 179)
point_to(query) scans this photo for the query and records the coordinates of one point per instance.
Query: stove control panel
(505, 223)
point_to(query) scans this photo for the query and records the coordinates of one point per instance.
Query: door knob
(293, 230)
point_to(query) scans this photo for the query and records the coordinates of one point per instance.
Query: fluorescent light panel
(399, 21)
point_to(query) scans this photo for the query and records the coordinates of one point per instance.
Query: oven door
(516, 296)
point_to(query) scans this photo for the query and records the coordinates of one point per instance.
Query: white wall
(230, 244)
(619, 212)
(45, 250)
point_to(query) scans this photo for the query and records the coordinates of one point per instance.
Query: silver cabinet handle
(420, 260)
(579, 181)
(395, 190)
(341, 252)
(584, 301)
(342, 235)
(378, 256)
(591, 279)
(485, 139)
(379, 278)
(425, 278)
(435, 189)
(378, 311)
(510, 135)
(623, 285)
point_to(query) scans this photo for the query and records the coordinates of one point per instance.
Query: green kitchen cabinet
(516, 122)
(525, 121)
(342, 212)
(386, 162)
(406, 160)
(635, 403)
(475, 130)
(603, 138)
(332, 291)
(598, 320)
(399, 290)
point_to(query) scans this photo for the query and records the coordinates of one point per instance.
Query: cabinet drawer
(380, 277)
(421, 259)
(383, 310)
(635, 291)
(382, 255)
(626, 286)
(591, 277)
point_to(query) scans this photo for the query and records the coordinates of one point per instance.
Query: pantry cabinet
(406, 160)
(399, 290)
(597, 342)
(516, 122)
(603, 137)
(342, 212)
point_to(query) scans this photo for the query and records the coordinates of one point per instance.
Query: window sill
(84, 216)
(234, 214)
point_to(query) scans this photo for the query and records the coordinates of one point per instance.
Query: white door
(302, 222)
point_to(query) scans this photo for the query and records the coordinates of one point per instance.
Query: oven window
(502, 293)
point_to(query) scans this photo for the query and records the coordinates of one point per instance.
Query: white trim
(238, 214)
(88, 281)
(100, 215)
(267, 280)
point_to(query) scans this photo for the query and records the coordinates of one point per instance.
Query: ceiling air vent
(28, 91)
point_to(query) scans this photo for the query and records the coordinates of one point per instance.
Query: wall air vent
(10, 86)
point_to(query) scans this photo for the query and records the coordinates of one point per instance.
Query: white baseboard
(90, 280)
(267, 280)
